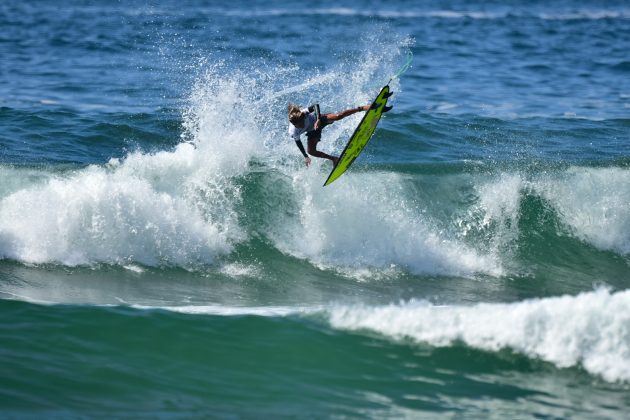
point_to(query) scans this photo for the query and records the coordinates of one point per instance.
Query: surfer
(305, 120)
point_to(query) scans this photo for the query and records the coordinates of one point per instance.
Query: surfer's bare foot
(335, 160)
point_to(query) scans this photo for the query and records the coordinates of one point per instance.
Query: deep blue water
(164, 253)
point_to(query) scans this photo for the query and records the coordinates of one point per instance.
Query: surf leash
(399, 72)
(404, 67)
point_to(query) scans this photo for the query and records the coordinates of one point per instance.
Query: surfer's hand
(307, 160)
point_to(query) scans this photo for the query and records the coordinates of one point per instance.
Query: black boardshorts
(317, 134)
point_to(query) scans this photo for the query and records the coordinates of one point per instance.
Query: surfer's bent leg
(313, 138)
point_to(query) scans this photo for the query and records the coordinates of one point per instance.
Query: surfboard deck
(361, 135)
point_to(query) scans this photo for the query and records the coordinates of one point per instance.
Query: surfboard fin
(387, 108)
(388, 94)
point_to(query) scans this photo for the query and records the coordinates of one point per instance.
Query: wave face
(165, 252)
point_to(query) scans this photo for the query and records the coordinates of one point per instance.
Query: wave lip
(595, 204)
(591, 329)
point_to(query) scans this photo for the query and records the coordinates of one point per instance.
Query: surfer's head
(296, 116)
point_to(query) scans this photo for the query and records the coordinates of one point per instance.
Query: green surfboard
(362, 135)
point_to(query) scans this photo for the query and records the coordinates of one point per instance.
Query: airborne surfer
(310, 121)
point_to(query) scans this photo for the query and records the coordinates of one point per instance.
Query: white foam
(419, 13)
(168, 208)
(587, 14)
(363, 12)
(134, 268)
(591, 329)
(101, 216)
(367, 221)
(240, 270)
(491, 221)
(219, 310)
(595, 203)
(501, 199)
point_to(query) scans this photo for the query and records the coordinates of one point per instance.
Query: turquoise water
(164, 253)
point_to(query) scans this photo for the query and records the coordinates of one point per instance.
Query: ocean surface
(165, 253)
